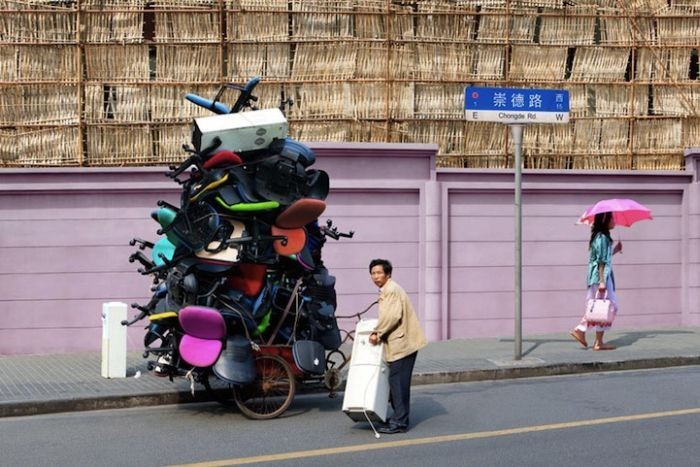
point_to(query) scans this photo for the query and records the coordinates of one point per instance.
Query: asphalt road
(635, 418)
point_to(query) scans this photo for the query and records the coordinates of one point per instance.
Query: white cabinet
(367, 386)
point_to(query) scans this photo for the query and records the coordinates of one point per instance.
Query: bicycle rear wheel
(272, 392)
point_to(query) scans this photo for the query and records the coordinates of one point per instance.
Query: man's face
(378, 276)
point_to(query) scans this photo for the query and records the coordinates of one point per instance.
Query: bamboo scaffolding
(43, 147)
(258, 26)
(320, 131)
(193, 63)
(675, 101)
(358, 70)
(444, 62)
(168, 142)
(105, 25)
(370, 26)
(368, 100)
(117, 62)
(119, 145)
(532, 63)
(116, 103)
(187, 26)
(662, 136)
(167, 103)
(658, 162)
(55, 104)
(326, 19)
(522, 26)
(50, 63)
(568, 29)
(448, 21)
(9, 63)
(55, 23)
(691, 132)
(324, 61)
(600, 63)
(371, 61)
(678, 31)
(332, 101)
(368, 132)
(617, 29)
(490, 62)
(437, 101)
(258, 5)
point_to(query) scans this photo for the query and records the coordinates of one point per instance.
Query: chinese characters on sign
(516, 105)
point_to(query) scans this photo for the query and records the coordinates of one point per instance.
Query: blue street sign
(516, 105)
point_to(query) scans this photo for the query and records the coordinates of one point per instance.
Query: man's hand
(373, 338)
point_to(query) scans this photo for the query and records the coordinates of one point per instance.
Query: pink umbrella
(625, 211)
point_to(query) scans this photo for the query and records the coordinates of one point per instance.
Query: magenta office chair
(205, 331)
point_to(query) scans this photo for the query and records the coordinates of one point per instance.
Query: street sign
(516, 105)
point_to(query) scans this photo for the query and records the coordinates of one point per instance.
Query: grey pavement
(37, 384)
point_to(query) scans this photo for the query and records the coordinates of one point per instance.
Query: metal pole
(516, 132)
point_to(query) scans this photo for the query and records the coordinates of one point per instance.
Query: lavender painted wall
(64, 244)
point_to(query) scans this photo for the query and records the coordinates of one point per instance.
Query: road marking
(439, 439)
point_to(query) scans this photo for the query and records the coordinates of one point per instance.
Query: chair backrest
(202, 322)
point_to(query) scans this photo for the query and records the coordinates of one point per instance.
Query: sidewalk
(32, 385)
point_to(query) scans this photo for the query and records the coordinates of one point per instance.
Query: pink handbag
(600, 310)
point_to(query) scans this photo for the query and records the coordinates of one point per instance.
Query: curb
(41, 407)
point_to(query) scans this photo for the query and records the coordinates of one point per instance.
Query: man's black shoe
(392, 428)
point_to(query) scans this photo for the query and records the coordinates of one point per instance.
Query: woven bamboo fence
(116, 103)
(529, 63)
(101, 82)
(55, 22)
(600, 64)
(449, 62)
(446, 21)
(117, 145)
(324, 61)
(490, 62)
(193, 63)
(574, 28)
(113, 21)
(269, 61)
(678, 31)
(40, 147)
(117, 62)
(495, 27)
(168, 141)
(439, 101)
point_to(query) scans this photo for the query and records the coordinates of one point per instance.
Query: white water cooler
(367, 386)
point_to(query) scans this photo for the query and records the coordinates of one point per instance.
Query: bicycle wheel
(272, 391)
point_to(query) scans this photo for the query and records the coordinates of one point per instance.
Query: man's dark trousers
(400, 372)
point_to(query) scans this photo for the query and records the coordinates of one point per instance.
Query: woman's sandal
(604, 347)
(579, 337)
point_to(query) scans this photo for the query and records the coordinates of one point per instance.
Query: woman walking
(601, 280)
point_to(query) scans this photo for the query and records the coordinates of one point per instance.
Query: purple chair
(205, 331)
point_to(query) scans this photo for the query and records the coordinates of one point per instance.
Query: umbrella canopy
(625, 211)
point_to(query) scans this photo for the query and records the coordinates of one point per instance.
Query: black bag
(310, 357)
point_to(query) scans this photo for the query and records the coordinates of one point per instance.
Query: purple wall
(64, 244)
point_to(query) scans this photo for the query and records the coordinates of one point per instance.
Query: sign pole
(516, 132)
(517, 107)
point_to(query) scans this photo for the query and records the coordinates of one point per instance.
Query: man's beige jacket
(398, 324)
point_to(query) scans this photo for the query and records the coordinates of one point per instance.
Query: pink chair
(205, 330)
